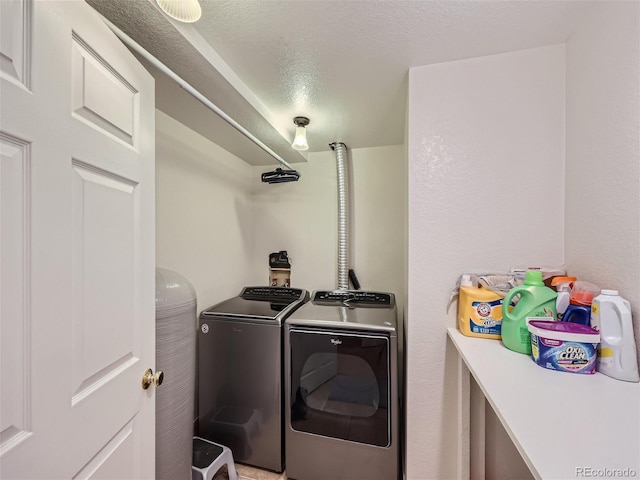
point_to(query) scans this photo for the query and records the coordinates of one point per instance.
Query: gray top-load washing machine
(240, 381)
(341, 393)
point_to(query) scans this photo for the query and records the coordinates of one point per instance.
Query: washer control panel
(271, 294)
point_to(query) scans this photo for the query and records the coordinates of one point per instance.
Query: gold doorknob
(150, 378)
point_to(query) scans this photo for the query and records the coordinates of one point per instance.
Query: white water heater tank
(176, 324)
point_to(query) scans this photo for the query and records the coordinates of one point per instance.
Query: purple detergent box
(562, 346)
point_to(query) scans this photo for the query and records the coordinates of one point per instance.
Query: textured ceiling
(343, 64)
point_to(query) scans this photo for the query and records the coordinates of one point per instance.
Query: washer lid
(271, 304)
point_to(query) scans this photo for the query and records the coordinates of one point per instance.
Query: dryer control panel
(353, 298)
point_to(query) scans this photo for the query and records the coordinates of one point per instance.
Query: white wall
(217, 222)
(603, 151)
(204, 228)
(301, 218)
(486, 192)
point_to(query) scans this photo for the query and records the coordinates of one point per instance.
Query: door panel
(118, 452)
(78, 174)
(15, 345)
(101, 95)
(15, 41)
(104, 309)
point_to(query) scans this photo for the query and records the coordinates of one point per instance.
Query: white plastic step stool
(208, 458)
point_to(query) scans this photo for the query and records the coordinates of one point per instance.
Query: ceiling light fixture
(300, 142)
(187, 11)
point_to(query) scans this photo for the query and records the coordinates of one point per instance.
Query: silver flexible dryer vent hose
(343, 214)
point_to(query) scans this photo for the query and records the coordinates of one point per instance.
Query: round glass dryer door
(340, 385)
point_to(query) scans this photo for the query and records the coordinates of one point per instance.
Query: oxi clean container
(564, 346)
(537, 302)
(479, 311)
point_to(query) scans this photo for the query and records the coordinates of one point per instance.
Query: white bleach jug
(611, 315)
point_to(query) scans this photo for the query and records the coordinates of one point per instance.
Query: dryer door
(340, 385)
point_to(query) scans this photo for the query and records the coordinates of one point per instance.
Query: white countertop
(559, 422)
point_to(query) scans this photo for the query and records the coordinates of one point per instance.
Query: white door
(77, 247)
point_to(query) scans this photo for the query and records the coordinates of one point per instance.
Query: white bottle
(563, 287)
(611, 315)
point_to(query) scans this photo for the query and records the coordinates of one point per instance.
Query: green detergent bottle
(537, 302)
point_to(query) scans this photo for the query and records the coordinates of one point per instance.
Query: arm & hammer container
(479, 310)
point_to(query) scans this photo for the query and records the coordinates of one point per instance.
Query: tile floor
(245, 472)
